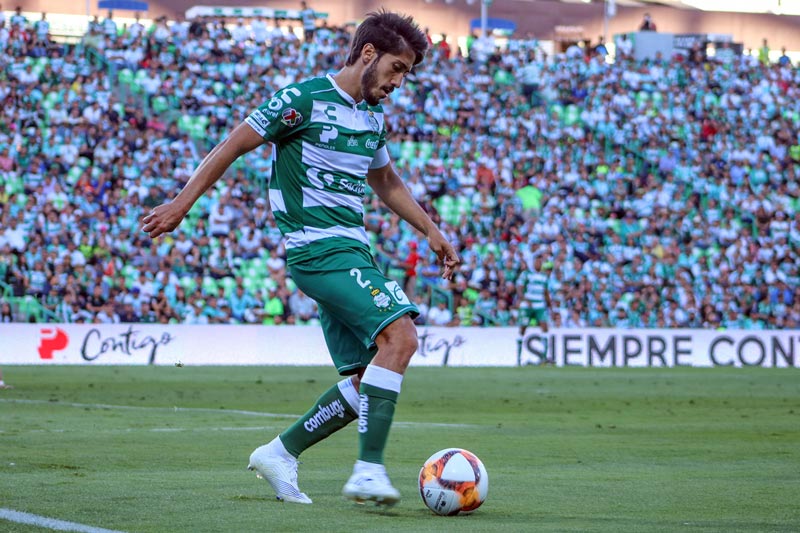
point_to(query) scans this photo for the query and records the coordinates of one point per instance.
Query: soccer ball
(453, 481)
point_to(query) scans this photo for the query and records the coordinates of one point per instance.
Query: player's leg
(379, 391)
(333, 410)
(524, 318)
(540, 318)
(338, 406)
(377, 312)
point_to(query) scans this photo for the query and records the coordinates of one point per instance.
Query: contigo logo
(363, 409)
(324, 413)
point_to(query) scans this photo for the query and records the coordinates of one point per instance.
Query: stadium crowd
(658, 193)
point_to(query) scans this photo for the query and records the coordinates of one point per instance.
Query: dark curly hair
(388, 33)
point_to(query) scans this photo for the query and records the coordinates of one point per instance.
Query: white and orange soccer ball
(453, 481)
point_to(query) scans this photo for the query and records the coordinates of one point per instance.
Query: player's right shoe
(371, 485)
(273, 463)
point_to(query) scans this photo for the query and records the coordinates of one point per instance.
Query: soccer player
(534, 301)
(329, 138)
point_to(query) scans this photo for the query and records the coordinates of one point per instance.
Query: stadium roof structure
(774, 7)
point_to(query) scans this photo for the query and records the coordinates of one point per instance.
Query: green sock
(333, 410)
(379, 391)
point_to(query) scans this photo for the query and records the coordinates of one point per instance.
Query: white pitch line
(214, 411)
(154, 430)
(141, 407)
(50, 523)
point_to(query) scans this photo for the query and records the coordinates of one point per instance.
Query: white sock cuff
(350, 393)
(383, 378)
(277, 445)
(363, 466)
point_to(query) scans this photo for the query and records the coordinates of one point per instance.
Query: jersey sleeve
(286, 113)
(381, 158)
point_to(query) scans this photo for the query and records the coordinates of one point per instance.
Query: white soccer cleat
(273, 463)
(372, 486)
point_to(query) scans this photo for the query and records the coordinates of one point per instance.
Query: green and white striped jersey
(533, 285)
(325, 143)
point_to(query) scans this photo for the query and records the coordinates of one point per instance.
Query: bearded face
(371, 89)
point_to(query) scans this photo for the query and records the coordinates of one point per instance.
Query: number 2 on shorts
(357, 273)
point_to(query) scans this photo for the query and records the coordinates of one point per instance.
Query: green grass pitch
(164, 449)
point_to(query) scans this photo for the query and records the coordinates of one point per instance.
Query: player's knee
(400, 338)
(405, 339)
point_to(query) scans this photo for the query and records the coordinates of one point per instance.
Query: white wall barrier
(141, 344)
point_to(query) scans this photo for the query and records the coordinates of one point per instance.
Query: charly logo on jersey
(291, 117)
(380, 299)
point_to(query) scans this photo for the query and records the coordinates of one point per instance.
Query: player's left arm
(390, 188)
(547, 295)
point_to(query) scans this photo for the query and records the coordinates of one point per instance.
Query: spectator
(647, 23)
(107, 314)
(784, 60)
(303, 307)
(440, 315)
(308, 18)
(589, 166)
(600, 48)
(410, 265)
(274, 308)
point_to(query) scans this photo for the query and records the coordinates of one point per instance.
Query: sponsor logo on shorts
(323, 414)
(380, 299)
(397, 293)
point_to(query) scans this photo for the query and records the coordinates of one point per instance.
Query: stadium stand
(661, 193)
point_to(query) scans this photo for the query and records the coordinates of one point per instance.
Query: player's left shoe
(371, 484)
(273, 463)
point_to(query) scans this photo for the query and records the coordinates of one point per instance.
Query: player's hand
(446, 254)
(162, 219)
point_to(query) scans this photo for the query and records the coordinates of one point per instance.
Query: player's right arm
(275, 120)
(167, 216)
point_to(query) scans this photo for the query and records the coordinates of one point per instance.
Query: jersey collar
(349, 99)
